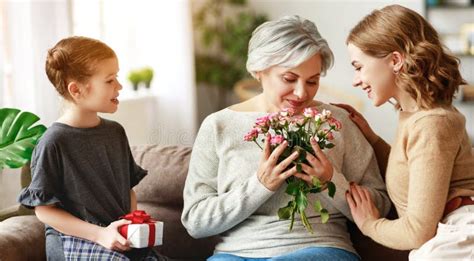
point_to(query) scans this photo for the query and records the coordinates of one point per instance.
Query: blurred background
(181, 60)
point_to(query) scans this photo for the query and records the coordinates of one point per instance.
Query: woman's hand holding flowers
(320, 168)
(271, 173)
(292, 153)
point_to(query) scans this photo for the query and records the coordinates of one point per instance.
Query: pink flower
(263, 121)
(310, 112)
(251, 135)
(283, 120)
(326, 115)
(273, 116)
(329, 134)
(287, 112)
(299, 120)
(335, 123)
(277, 139)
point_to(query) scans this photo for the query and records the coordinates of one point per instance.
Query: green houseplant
(222, 31)
(135, 78)
(147, 76)
(18, 136)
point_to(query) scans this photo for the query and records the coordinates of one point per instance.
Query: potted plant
(135, 78)
(223, 29)
(147, 76)
(18, 136)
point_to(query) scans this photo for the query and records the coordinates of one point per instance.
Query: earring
(395, 71)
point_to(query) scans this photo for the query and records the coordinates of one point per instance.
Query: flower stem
(258, 144)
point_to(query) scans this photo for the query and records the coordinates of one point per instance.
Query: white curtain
(142, 32)
(29, 29)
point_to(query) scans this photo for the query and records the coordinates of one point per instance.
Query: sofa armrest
(15, 210)
(22, 238)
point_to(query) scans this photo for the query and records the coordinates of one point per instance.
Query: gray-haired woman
(234, 190)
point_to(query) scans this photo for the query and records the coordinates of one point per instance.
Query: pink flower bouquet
(298, 130)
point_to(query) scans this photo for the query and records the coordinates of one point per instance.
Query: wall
(334, 19)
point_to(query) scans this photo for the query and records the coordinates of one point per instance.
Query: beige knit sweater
(430, 163)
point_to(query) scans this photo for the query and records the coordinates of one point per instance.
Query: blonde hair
(429, 74)
(75, 59)
(287, 42)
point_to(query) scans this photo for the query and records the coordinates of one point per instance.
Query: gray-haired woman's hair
(286, 42)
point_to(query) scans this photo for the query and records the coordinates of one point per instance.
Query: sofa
(160, 194)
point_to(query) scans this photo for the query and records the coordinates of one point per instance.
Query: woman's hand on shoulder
(271, 173)
(110, 238)
(360, 121)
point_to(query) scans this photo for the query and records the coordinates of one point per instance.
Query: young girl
(430, 172)
(83, 171)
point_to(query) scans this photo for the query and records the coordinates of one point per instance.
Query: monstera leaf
(18, 137)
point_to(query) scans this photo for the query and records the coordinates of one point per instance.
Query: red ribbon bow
(140, 217)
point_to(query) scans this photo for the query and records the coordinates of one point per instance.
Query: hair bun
(56, 59)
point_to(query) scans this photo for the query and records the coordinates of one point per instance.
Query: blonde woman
(429, 169)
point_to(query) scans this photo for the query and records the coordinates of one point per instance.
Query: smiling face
(102, 89)
(291, 87)
(374, 75)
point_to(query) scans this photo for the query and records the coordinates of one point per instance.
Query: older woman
(234, 190)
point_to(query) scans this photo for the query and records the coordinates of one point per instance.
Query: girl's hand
(362, 205)
(360, 121)
(320, 167)
(110, 238)
(271, 174)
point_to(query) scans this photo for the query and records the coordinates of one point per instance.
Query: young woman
(429, 169)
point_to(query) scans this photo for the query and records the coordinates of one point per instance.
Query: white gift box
(139, 234)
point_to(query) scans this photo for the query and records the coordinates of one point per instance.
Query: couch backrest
(167, 169)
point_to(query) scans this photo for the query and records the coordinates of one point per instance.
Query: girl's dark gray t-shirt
(88, 172)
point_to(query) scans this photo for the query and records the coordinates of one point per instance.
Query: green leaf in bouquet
(316, 182)
(292, 222)
(293, 187)
(299, 168)
(322, 211)
(321, 144)
(324, 215)
(317, 206)
(302, 155)
(331, 189)
(329, 145)
(307, 148)
(305, 222)
(18, 137)
(315, 190)
(293, 138)
(285, 212)
(287, 152)
(301, 201)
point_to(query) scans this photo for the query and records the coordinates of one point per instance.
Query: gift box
(143, 231)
